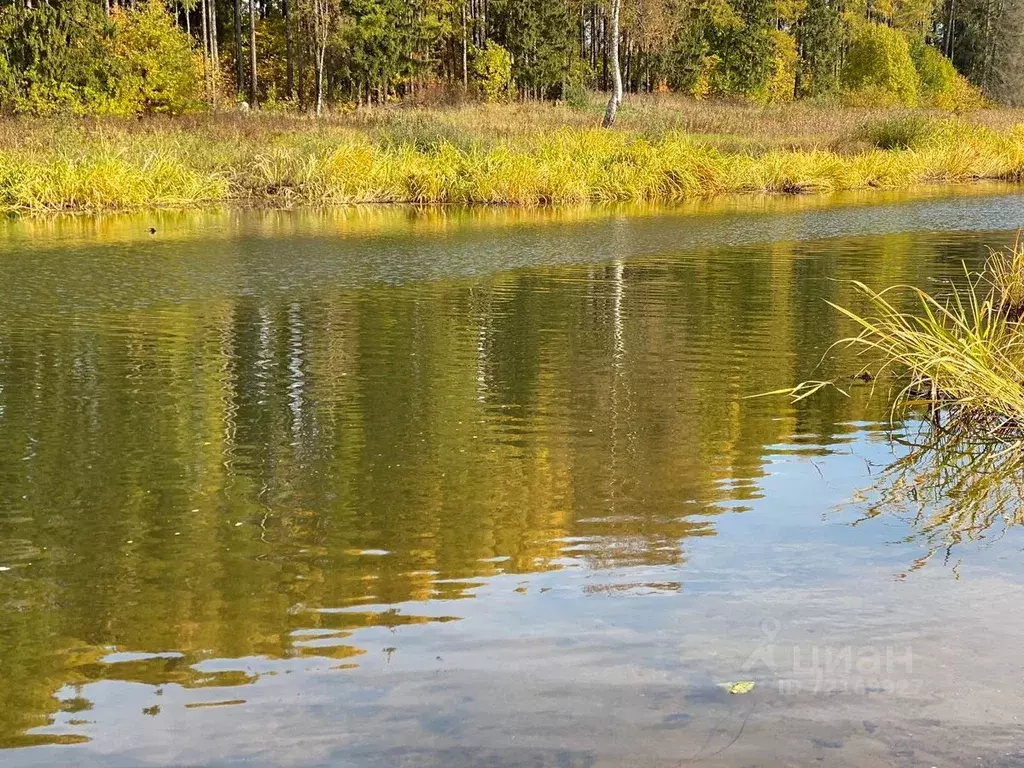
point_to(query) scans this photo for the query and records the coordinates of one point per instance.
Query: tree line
(132, 56)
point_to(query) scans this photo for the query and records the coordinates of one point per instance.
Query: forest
(135, 57)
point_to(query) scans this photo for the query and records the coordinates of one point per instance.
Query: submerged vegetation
(508, 155)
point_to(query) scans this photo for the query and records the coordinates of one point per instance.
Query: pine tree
(820, 38)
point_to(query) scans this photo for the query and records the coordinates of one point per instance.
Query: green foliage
(71, 58)
(577, 96)
(373, 50)
(941, 85)
(727, 48)
(821, 37)
(986, 44)
(136, 56)
(781, 85)
(492, 69)
(542, 37)
(53, 57)
(576, 91)
(157, 70)
(413, 129)
(271, 61)
(879, 70)
(703, 77)
(744, 45)
(937, 73)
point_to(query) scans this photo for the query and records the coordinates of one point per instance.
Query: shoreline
(230, 205)
(436, 218)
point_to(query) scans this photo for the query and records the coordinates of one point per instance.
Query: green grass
(909, 131)
(523, 155)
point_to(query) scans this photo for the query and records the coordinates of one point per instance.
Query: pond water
(443, 488)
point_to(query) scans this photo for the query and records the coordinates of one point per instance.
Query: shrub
(941, 85)
(158, 69)
(879, 70)
(575, 92)
(961, 354)
(903, 132)
(492, 66)
(414, 130)
(937, 73)
(962, 97)
(701, 87)
(70, 58)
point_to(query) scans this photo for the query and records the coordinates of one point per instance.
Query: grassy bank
(508, 155)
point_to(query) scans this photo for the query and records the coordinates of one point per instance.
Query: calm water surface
(399, 488)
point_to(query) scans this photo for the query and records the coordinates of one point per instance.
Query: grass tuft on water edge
(960, 355)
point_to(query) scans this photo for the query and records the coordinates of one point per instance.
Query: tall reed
(448, 159)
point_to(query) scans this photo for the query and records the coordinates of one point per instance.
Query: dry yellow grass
(959, 354)
(661, 149)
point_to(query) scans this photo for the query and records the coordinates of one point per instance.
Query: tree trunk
(214, 53)
(465, 50)
(950, 23)
(253, 98)
(616, 99)
(321, 34)
(206, 49)
(604, 50)
(300, 65)
(320, 78)
(628, 74)
(239, 66)
(289, 47)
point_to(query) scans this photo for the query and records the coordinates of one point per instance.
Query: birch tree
(253, 85)
(616, 99)
(324, 18)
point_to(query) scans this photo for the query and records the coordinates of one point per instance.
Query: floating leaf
(743, 686)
